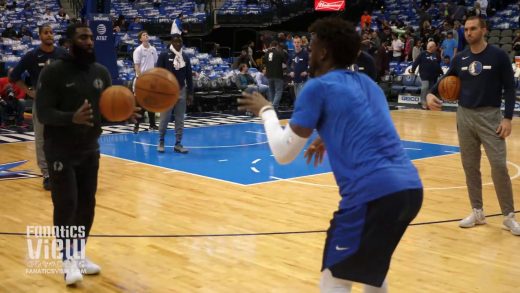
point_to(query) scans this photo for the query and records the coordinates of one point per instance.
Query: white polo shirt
(145, 57)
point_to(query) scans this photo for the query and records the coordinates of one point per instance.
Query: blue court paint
(236, 153)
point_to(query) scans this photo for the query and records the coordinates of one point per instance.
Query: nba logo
(329, 5)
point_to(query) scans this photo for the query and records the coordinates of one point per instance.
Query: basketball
(157, 90)
(117, 103)
(449, 88)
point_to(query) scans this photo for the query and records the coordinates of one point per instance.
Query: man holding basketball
(33, 63)
(68, 105)
(484, 71)
(145, 57)
(380, 189)
(178, 63)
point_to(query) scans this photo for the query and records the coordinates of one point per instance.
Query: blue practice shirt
(351, 115)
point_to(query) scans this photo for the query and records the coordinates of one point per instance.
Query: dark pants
(73, 188)
(151, 118)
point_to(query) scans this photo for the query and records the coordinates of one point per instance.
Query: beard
(83, 56)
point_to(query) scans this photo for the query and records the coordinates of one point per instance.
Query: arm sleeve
(47, 101)
(508, 81)
(155, 56)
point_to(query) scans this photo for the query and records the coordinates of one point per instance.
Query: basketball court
(227, 218)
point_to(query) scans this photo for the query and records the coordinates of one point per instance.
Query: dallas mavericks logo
(475, 68)
(98, 83)
(101, 29)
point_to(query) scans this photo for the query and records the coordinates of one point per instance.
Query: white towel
(178, 62)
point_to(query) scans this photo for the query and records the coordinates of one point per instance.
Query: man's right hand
(434, 103)
(84, 115)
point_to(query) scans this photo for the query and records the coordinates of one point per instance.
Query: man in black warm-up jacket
(68, 106)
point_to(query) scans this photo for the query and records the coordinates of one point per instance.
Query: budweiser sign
(329, 5)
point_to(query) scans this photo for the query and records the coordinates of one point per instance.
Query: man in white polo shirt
(145, 57)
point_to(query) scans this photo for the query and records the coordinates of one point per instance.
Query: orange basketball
(449, 88)
(117, 103)
(157, 90)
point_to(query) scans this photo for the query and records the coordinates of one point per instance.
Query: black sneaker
(153, 127)
(136, 128)
(46, 183)
(160, 147)
(180, 149)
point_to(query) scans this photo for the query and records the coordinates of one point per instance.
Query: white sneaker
(71, 271)
(476, 218)
(511, 225)
(87, 267)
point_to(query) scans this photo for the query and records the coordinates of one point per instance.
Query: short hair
(449, 33)
(71, 30)
(140, 34)
(274, 43)
(339, 37)
(41, 27)
(242, 65)
(176, 36)
(481, 21)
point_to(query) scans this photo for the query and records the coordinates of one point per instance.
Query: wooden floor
(140, 200)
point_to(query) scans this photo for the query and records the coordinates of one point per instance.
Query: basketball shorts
(361, 239)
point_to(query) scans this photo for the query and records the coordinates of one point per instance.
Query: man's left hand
(504, 129)
(252, 102)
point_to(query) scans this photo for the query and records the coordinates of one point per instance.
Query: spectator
(247, 83)
(48, 17)
(417, 49)
(121, 23)
(446, 61)
(408, 47)
(199, 6)
(9, 32)
(483, 5)
(136, 25)
(156, 3)
(244, 58)
(273, 60)
(449, 46)
(516, 43)
(177, 25)
(397, 48)
(25, 33)
(62, 16)
(366, 20)
(305, 42)
(11, 101)
(299, 65)
(260, 78)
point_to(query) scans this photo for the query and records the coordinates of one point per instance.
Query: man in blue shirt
(449, 46)
(380, 188)
(486, 75)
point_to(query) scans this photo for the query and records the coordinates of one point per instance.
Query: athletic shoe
(87, 267)
(136, 129)
(153, 127)
(46, 183)
(160, 147)
(511, 225)
(180, 149)
(476, 218)
(71, 272)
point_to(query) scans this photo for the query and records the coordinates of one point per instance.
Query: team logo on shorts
(475, 68)
(98, 83)
(57, 166)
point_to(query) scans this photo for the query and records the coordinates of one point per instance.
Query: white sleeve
(137, 56)
(284, 143)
